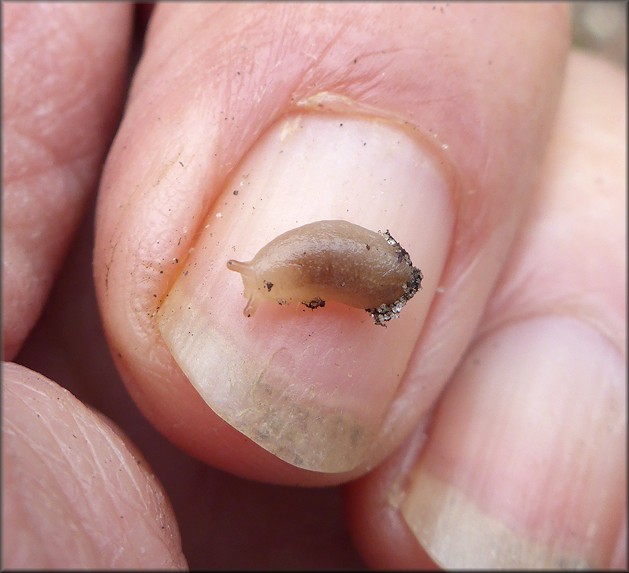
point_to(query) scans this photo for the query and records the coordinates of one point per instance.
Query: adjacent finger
(524, 464)
(64, 71)
(75, 494)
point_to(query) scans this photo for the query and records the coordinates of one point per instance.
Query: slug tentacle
(242, 268)
(332, 260)
(250, 308)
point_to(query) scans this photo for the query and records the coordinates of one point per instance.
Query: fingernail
(525, 464)
(310, 386)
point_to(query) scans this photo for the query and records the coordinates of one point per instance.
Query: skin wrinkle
(140, 307)
(278, 50)
(160, 525)
(31, 511)
(119, 456)
(276, 56)
(359, 87)
(280, 56)
(318, 59)
(95, 458)
(58, 461)
(193, 27)
(369, 78)
(359, 80)
(23, 386)
(42, 452)
(145, 307)
(129, 501)
(101, 469)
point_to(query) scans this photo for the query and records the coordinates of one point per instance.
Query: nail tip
(456, 534)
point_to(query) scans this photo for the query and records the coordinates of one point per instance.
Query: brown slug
(331, 260)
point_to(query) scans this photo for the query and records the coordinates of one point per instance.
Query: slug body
(331, 260)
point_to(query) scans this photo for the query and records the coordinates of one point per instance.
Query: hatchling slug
(331, 260)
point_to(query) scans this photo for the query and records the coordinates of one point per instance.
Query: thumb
(399, 117)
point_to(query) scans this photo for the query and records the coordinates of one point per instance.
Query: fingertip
(522, 464)
(525, 452)
(330, 139)
(75, 494)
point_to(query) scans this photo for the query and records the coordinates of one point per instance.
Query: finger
(75, 494)
(64, 73)
(225, 522)
(525, 462)
(233, 138)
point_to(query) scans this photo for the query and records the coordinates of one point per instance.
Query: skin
(68, 345)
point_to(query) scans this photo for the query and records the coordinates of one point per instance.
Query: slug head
(248, 274)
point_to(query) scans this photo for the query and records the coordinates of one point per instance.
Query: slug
(331, 260)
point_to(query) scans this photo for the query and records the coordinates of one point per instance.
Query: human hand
(486, 426)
